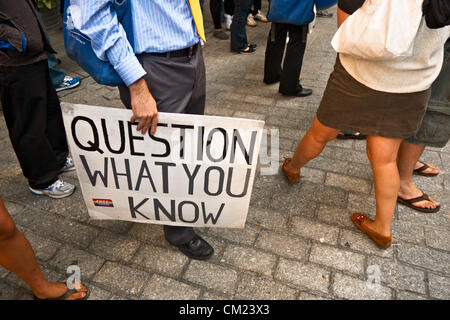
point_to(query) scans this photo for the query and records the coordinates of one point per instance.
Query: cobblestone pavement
(298, 243)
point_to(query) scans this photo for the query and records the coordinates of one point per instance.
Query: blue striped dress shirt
(158, 26)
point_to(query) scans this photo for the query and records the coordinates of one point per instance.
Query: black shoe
(197, 248)
(303, 92)
(248, 50)
(252, 45)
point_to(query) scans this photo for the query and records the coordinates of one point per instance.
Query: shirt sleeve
(98, 20)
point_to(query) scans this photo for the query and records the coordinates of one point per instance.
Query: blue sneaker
(57, 190)
(68, 83)
(69, 165)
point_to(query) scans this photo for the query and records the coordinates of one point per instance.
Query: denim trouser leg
(57, 75)
(238, 33)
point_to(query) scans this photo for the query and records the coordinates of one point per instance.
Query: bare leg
(382, 153)
(311, 145)
(407, 161)
(16, 255)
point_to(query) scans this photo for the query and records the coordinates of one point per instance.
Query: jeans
(57, 75)
(238, 34)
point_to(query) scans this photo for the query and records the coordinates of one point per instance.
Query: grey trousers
(178, 85)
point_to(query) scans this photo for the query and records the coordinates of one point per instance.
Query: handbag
(380, 30)
(325, 4)
(79, 47)
(291, 11)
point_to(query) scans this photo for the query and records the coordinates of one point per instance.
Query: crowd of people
(386, 102)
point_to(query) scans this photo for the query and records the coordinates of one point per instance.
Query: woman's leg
(16, 255)
(382, 153)
(311, 145)
(238, 32)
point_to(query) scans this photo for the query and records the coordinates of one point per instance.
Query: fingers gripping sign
(144, 107)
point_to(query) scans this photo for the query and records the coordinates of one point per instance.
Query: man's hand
(143, 106)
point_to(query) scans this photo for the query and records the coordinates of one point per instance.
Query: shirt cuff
(130, 70)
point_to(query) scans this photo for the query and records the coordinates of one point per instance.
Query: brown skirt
(349, 105)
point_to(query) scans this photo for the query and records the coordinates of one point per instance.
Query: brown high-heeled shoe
(292, 177)
(359, 219)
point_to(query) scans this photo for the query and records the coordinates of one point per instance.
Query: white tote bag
(380, 30)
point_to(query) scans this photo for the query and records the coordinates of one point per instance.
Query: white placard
(195, 171)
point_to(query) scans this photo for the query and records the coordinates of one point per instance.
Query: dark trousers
(238, 33)
(290, 73)
(216, 9)
(34, 120)
(229, 7)
(256, 7)
(178, 85)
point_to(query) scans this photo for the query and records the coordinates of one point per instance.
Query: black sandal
(248, 50)
(409, 203)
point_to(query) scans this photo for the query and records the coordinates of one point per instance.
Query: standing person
(30, 103)
(289, 75)
(163, 70)
(239, 42)
(216, 11)
(384, 99)
(17, 256)
(434, 132)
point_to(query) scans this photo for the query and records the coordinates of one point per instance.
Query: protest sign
(194, 171)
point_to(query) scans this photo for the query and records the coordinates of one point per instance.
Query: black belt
(186, 52)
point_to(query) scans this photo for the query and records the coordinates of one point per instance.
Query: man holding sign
(162, 70)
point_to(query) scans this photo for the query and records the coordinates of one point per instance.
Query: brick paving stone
(7, 291)
(212, 276)
(97, 293)
(424, 257)
(313, 175)
(13, 208)
(267, 219)
(244, 236)
(439, 286)
(337, 258)
(398, 276)
(359, 170)
(313, 230)
(66, 256)
(409, 232)
(213, 296)
(114, 226)
(348, 183)
(3, 272)
(250, 259)
(362, 203)
(335, 216)
(162, 288)
(303, 275)
(438, 238)
(114, 247)
(58, 227)
(162, 260)
(440, 219)
(258, 288)
(249, 115)
(149, 233)
(307, 296)
(405, 295)
(283, 245)
(43, 248)
(358, 241)
(119, 277)
(355, 289)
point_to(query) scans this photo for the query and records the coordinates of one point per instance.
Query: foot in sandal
(425, 169)
(60, 291)
(414, 198)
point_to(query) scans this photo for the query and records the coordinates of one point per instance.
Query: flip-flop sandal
(423, 197)
(66, 295)
(420, 171)
(354, 135)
